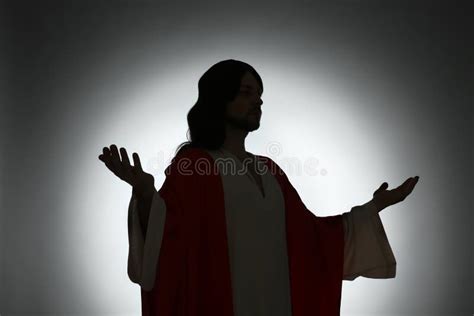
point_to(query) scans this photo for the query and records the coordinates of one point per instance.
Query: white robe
(257, 241)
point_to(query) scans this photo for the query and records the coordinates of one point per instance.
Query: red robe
(193, 271)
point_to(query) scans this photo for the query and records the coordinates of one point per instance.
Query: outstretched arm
(367, 251)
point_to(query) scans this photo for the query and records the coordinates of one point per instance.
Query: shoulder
(270, 163)
(193, 153)
(189, 160)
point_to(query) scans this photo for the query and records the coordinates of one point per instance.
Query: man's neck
(238, 151)
(235, 142)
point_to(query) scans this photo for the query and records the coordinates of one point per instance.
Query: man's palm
(384, 198)
(133, 175)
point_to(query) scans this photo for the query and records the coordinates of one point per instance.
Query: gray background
(366, 92)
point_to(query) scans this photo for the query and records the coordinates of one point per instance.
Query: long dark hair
(217, 86)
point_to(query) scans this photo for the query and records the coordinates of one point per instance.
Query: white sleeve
(144, 252)
(367, 252)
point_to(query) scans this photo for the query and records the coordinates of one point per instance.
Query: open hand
(141, 181)
(383, 197)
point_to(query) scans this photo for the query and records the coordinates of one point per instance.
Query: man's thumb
(382, 187)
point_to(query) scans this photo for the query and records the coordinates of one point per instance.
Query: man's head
(229, 97)
(244, 111)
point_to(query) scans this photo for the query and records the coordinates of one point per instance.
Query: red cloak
(193, 274)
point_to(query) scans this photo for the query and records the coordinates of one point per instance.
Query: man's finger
(136, 162)
(125, 160)
(107, 162)
(114, 156)
(114, 152)
(405, 184)
(115, 162)
(382, 187)
(105, 153)
(105, 157)
(413, 183)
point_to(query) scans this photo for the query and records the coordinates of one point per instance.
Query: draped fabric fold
(367, 250)
(183, 264)
(315, 254)
(144, 250)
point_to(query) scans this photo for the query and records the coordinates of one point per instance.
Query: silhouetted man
(227, 233)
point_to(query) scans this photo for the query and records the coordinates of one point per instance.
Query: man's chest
(258, 179)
